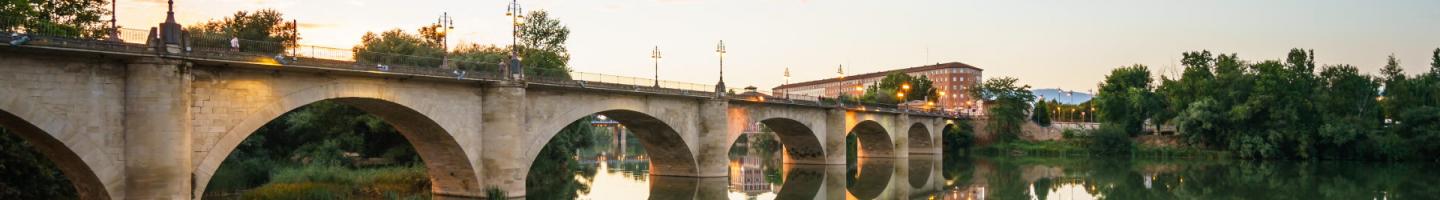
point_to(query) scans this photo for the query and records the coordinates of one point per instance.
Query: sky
(1044, 43)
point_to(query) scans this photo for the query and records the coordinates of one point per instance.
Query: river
(762, 176)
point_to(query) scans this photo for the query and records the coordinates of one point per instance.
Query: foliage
(1041, 114)
(542, 46)
(495, 193)
(1348, 109)
(264, 31)
(69, 18)
(1008, 105)
(333, 182)
(478, 57)
(557, 158)
(959, 137)
(1284, 109)
(885, 91)
(1111, 140)
(1126, 98)
(26, 174)
(396, 47)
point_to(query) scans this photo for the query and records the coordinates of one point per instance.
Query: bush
(1111, 140)
(298, 191)
(959, 138)
(332, 182)
(495, 193)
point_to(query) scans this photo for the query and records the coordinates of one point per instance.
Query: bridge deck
(329, 64)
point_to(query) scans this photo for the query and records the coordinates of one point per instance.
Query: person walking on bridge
(234, 44)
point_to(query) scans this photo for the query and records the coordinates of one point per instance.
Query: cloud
(304, 25)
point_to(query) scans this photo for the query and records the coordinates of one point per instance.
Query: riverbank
(334, 182)
(1081, 148)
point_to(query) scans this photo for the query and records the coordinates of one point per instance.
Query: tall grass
(333, 182)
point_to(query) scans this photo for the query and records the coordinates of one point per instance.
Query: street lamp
(787, 82)
(656, 55)
(720, 49)
(941, 99)
(444, 25)
(514, 11)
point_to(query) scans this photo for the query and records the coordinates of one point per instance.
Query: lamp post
(514, 11)
(720, 49)
(443, 27)
(787, 82)
(656, 55)
(114, 28)
(941, 100)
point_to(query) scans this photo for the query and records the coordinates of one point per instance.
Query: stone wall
(70, 108)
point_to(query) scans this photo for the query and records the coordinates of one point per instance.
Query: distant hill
(1076, 97)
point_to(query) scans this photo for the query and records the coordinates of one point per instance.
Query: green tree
(959, 138)
(1040, 115)
(396, 47)
(67, 18)
(263, 31)
(552, 176)
(1007, 107)
(1126, 99)
(1348, 109)
(542, 46)
(478, 57)
(1435, 63)
(913, 87)
(1110, 140)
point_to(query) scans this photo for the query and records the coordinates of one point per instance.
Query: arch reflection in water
(757, 173)
(877, 178)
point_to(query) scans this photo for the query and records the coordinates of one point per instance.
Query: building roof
(880, 74)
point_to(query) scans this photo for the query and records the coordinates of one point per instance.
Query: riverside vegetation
(1225, 107)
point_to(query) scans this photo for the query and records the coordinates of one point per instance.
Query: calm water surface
(762, 176)
(618, 169)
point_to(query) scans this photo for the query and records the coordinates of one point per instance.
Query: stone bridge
(136, 125)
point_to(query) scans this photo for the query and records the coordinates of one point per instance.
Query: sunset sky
(1047, 44)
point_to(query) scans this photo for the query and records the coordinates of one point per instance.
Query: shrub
(1111, 140)
(495, 193)
(333, 182)
(298, 191)
(961, 137)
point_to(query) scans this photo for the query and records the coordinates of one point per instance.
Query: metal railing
(205, 46)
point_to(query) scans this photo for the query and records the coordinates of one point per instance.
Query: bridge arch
(801, 143)
(873, 140)
(667, 149)
(921, 140)
(87, 184)
(447, 164)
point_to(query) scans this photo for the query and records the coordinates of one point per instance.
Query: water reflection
(608, 173)
(619, 169)
(1094, 178)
